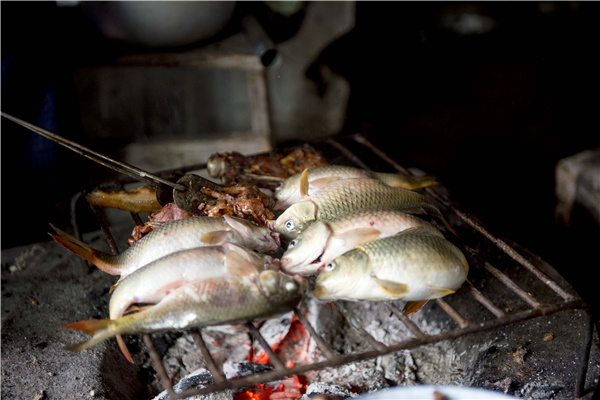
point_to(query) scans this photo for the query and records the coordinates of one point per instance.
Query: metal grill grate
(535, 307)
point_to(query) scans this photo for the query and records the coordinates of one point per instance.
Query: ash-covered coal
(197, 380)
(325, 391)
(244, 368)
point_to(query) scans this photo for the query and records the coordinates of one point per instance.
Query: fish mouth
(276, 239)
(318, 260)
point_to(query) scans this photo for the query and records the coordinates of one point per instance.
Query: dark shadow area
(489, 111)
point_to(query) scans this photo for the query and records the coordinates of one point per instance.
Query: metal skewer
(118, 166)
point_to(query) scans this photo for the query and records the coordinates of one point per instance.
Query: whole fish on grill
(152, 282)
(348, 195)
(214, 301)
(323, 241)
(174, 236)
(288, 192)
(411, 266)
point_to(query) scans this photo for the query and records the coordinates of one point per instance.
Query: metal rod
(484, 300)
(272, 356)
(210, 362)
(73, 214)
(513, 254)
(374, 342)
(345, 151)
(512, 285)
(472, 328)
(118, 166)
(460, 320)
(321, 344)
(99, 213)
(359, 138)
(411, 326)
(501, 244)
(585, 358)
(158, 365)
(136, 218)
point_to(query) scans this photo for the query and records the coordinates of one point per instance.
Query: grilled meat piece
(241, 200)
(234, 168)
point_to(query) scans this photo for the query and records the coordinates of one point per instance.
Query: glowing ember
(289, 388)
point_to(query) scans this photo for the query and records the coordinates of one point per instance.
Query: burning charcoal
(197, 380)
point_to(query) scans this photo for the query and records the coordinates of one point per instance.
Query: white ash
(225, 343)
(26, 258)
(362, 374)
(244, 368)
(197, 380)
(326, 321)
(327, 389)
(274, 331)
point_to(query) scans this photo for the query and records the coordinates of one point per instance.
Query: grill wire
(502, 318)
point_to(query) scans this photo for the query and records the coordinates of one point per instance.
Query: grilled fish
(152, 282)
(323, 241)
(174, 236)
(407, 266)
(206, 302)
(348, 195)
(288, 192)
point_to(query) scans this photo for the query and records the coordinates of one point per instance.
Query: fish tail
(404, 181)
(433, 210)
(100, 328)
(105, 262)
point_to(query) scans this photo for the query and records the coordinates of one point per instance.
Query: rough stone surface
(45, 287)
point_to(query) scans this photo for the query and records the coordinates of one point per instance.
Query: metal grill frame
(536, 309)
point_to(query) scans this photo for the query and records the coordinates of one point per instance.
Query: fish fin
(216, 237)
(304, 183)
(355, 237)
(113, 287)
(237, 225)
(433, 210)
(438, 292)
(412, 307)
(98, 258)
(90, 326)
(321, 182)
(405, 181)
(133, 309)
(124, 348)
(238, 265)
(393, 288)
(97, 327)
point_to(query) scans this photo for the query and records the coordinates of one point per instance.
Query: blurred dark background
(487, 97)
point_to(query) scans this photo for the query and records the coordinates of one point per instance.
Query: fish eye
(293, 243)
(279, 186)
(290, 286)
(331, 266)
(289, 225)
